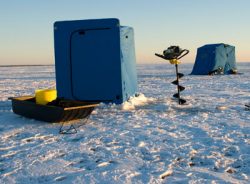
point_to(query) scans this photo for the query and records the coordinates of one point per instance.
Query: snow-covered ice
(149, 139)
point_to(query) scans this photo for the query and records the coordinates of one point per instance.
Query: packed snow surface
(149, 139)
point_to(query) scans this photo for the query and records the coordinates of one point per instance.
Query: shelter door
(93, 55)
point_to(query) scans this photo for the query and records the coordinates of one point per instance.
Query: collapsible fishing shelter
(215, 59)
(95, 60)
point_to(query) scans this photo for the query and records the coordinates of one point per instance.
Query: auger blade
(175, 82)
(176, 95)
(181, 88)
(180, 75)
(182, 101)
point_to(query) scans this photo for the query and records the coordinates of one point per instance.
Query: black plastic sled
(56, 111)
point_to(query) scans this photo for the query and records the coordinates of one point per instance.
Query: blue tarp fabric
(215, 58)
(95, 60)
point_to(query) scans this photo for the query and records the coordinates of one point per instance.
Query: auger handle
(185, 51)
(159, 55)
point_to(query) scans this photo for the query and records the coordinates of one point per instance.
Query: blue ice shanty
(95, 60)
(215, 59)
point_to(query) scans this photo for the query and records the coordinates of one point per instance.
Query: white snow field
(150, 139)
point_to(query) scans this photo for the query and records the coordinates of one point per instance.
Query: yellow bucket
(44, 96)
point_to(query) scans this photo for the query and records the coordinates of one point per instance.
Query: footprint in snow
(104, 164)
(60, 178)
(76, 139)
(28, 140)
(1, 170)
(242, 164)
(84, 163)
(22, 135)
(8, 155)
(231, 151)
(6, 171)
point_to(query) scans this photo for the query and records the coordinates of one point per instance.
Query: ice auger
(173, 54)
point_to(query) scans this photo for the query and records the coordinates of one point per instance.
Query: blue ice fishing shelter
(215, 59)
(95, 60)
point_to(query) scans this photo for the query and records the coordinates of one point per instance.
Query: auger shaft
(177, 79)
(179, 88)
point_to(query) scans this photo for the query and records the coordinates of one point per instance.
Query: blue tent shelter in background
(215, 59)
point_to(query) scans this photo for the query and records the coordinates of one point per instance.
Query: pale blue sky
(26, 34)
